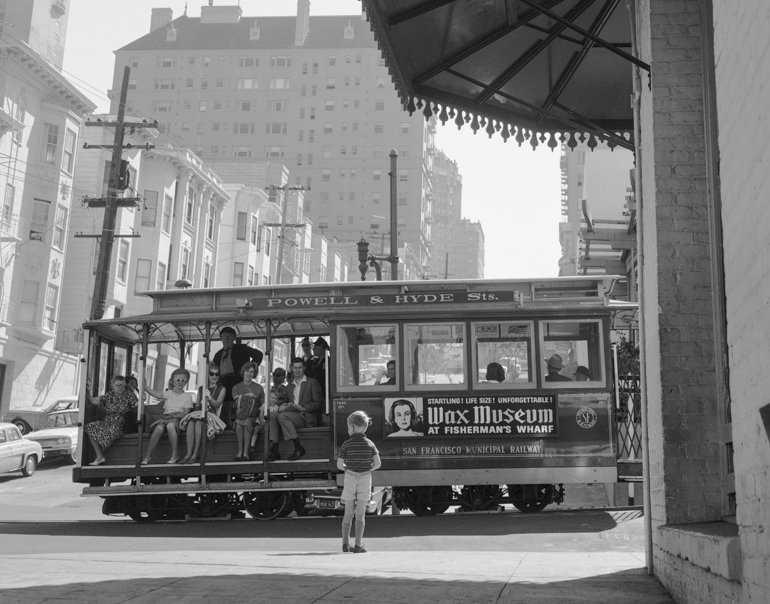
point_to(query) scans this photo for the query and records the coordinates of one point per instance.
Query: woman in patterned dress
(116, 402)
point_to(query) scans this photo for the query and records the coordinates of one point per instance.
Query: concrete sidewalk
(192, 577)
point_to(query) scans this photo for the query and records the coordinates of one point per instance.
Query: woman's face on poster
(403, 416)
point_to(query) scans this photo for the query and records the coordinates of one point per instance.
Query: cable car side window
(502, 354)
(435, 356)
(573, 353)
(363, 354)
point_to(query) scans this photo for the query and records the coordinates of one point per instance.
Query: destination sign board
(384, 300)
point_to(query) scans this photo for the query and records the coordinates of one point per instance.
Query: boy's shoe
(346, 547)
(359, 549)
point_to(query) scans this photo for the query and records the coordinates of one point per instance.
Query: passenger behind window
(582, 374)
(387, 377)
(555, 365)
(495, 372)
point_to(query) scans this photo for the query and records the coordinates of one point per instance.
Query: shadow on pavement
(622, 587)
(509, 523)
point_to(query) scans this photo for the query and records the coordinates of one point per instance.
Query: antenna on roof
(185, 9)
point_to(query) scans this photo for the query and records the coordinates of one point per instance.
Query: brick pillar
(684, 415)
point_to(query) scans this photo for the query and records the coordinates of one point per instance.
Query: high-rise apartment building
(469, 250)
(40, 24)
(40, 123)
(312, 93)
(447, 212)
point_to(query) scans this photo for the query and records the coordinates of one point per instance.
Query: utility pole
(283, 224)
(393, 215)
(111, 202)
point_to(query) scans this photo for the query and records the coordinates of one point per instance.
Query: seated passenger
(117, 402)
(177, 404)
(249, 398)
(495, 372)
(582, 374)
(390, 372)
(555, 365)
(304, 399)
(212, 397)
(279, 390)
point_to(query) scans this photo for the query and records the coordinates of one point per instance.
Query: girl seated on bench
(177, 404)
(249, 398)
(194, 423)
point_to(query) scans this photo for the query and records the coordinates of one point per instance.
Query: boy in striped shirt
(358, 457)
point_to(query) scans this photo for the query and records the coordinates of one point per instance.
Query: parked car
(16, 452)
(329, 501)
(364, 373)
(58, 436)
(378, 366)
(28, 419)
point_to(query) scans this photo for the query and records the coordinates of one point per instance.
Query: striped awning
(537, 71)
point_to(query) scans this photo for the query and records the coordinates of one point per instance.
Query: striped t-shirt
(358, 453)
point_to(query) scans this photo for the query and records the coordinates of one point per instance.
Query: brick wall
(742, 51)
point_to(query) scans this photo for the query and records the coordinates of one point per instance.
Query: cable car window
(363, 354)
(502, 354)
(435, 355)
(573, 354)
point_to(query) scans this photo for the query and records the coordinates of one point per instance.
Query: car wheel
(23, 426)
(30, 465)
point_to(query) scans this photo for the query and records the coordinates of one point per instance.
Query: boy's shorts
(358, 486)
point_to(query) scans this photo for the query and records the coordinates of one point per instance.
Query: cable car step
(212, 487)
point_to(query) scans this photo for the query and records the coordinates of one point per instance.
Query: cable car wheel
(265, 505)
(143, 508)
(530, 498)
(426, 501)
(478, 497)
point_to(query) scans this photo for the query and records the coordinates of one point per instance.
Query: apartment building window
(68, 154)
(315, 67)
(402, 200)
(244, 106)
(304, 68)
(277, 106)
(59, 227)
(250, 278)
(377, 151)
(379, 128)
(149, 214)
(331, 83)
(376, 198)
(165, 224)
(326, 151)
(280, 83)
(268, 239)
(280, 61)
(344, 126)
(343, 150)
(313, 90)
(342, 173)
(28, 302)
(339, 220)
(240, 226)
(379, 105)
(326, 175)
(248, 61)
(184, 269)
(309, 159)
(243, 151)
(132, 84)
(220, 83)
(161, 106)
(191, 60)
(403, 175)
(352, 172)
(237, 274)
(329, 105)
(328, 128)
(299, 159)
(206, 61)
(214, 149)
(143, 275)
(217, 104)
(341, 196)
(253, 229)
(276, 128)
(308, 181)
(301, 135)
(122, 265)
(403, 151)
(311, 136)
(332, 61)
(211, 221)
(358, 80)
(50, 142)
(376, 174)
(355, 126)
(160, 277)
(380, 82)
(244, 128)
(188, 104)
(248, 83)
(201, 107)
(51, 299)
(165, 62)
(206, 271)
(188, 83)
(133, 62)
(324, 198)
(222, 61)
(381, 63)
(165, 84)
(39, 223)
(190, 207)
(204, 83)
(185, 127)
(404, 127)
(8, 203)
(312, 113)
(275, 151)
(354, 150)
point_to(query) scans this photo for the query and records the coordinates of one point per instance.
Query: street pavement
(57, 547)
